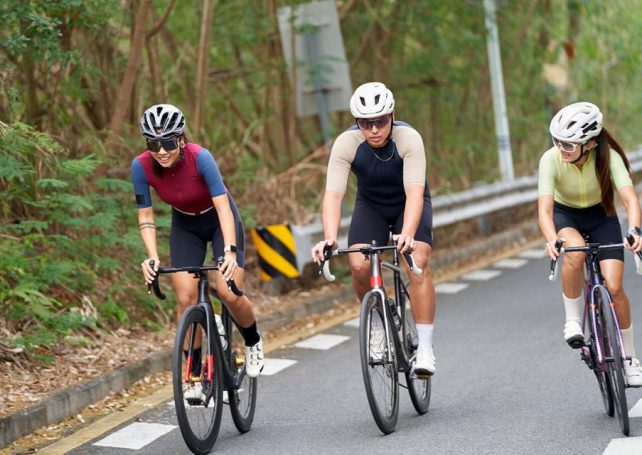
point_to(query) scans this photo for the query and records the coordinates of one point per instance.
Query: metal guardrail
(449, 208)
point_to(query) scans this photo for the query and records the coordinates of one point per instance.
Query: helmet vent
(377, 99)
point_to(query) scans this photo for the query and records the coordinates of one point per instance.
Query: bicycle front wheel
(242, 391)
(418, 388)
(600, 369)
(379, 363)
(613, 351)
(198, 382)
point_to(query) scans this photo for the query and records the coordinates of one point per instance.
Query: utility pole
(499, 97)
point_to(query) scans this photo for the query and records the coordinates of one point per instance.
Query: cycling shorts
(190, 235)
(371, 222)
(591, 221)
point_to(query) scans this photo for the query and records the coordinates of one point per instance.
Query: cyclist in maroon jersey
(186, 176)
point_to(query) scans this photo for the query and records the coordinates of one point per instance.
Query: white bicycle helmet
(370, 100)
(162, 121)
(577, 123)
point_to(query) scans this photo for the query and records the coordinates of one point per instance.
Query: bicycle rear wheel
(242, 392)
(379, 363)
(198, 391)
(600, 370)
(613, 350)
(418, 388)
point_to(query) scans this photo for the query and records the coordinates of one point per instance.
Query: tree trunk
(124, 94)
(201, 66)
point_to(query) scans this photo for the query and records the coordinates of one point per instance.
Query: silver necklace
(378, 157)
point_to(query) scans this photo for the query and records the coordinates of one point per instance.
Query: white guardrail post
(448, 208)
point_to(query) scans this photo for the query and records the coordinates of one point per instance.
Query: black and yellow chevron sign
(277, 254)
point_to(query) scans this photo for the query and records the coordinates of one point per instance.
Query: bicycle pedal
(423, 375)
(575, 342)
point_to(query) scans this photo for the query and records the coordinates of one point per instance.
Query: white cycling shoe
(425, 363)
(254, 359)
(633, 373)
(193, 394)
(573, 334)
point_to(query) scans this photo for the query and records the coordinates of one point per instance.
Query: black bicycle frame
(203, 300)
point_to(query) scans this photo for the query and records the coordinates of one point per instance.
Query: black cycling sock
(250, 334)
(196, 361)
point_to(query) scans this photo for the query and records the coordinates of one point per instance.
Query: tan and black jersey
(382, 173)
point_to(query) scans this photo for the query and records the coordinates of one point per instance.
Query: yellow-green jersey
(575, 187)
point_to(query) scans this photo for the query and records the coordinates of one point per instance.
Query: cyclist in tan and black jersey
(389, 160)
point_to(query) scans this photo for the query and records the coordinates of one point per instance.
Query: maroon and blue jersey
(189, 186)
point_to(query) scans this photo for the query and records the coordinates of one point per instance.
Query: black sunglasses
(169, 145)
(380, 122)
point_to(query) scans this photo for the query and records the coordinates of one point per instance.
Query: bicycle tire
(419, 389)
(379, 363)
(199, 419)
(600, 370)
(242, 399)
(613, 349)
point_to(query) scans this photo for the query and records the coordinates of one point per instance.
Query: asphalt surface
(506, 384)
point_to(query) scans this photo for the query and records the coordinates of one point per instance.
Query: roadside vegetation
(76, 74)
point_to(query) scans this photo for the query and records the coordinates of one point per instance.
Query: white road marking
(450, 288)
(273, 366)
(533, 254)
(135, 436)
(636, 410)
(481, 275)
(624, 446)
(352, 323)
(510, 263)
(322, 341)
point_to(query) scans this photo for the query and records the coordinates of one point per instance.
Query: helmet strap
(583, 153)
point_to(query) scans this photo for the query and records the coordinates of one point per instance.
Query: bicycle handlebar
(324, 267)
(593, 247)
(196, 271)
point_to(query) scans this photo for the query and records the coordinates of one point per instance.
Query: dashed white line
(322, 341)
(352, 323)
(135, 436)
(450, 288)
(636, 410)
(481, 275)
(512, 263)
(624, 446)
(273, 366)
(533, 254)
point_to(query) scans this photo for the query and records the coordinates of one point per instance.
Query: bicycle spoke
(197, 379)
(379, 365)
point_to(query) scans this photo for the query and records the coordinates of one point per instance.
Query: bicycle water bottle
(395, 314)
(221, 331)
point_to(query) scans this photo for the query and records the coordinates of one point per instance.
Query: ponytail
(606, 142)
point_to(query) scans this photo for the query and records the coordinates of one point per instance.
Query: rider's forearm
(545, 217)
(147, 228)
(226, 219)
(331, 214)
(413, 209)
(632, 204)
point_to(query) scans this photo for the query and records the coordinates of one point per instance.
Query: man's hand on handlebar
(317, 250)
(405, 243)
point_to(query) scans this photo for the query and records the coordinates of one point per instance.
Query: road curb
(71, 401)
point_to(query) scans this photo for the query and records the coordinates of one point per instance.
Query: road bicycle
(387, 337)
(208, 367)
(602, 348)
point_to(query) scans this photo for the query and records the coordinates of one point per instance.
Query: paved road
(506, 384)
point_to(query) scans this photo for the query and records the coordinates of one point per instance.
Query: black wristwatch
(635, 230)
(231, 248)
